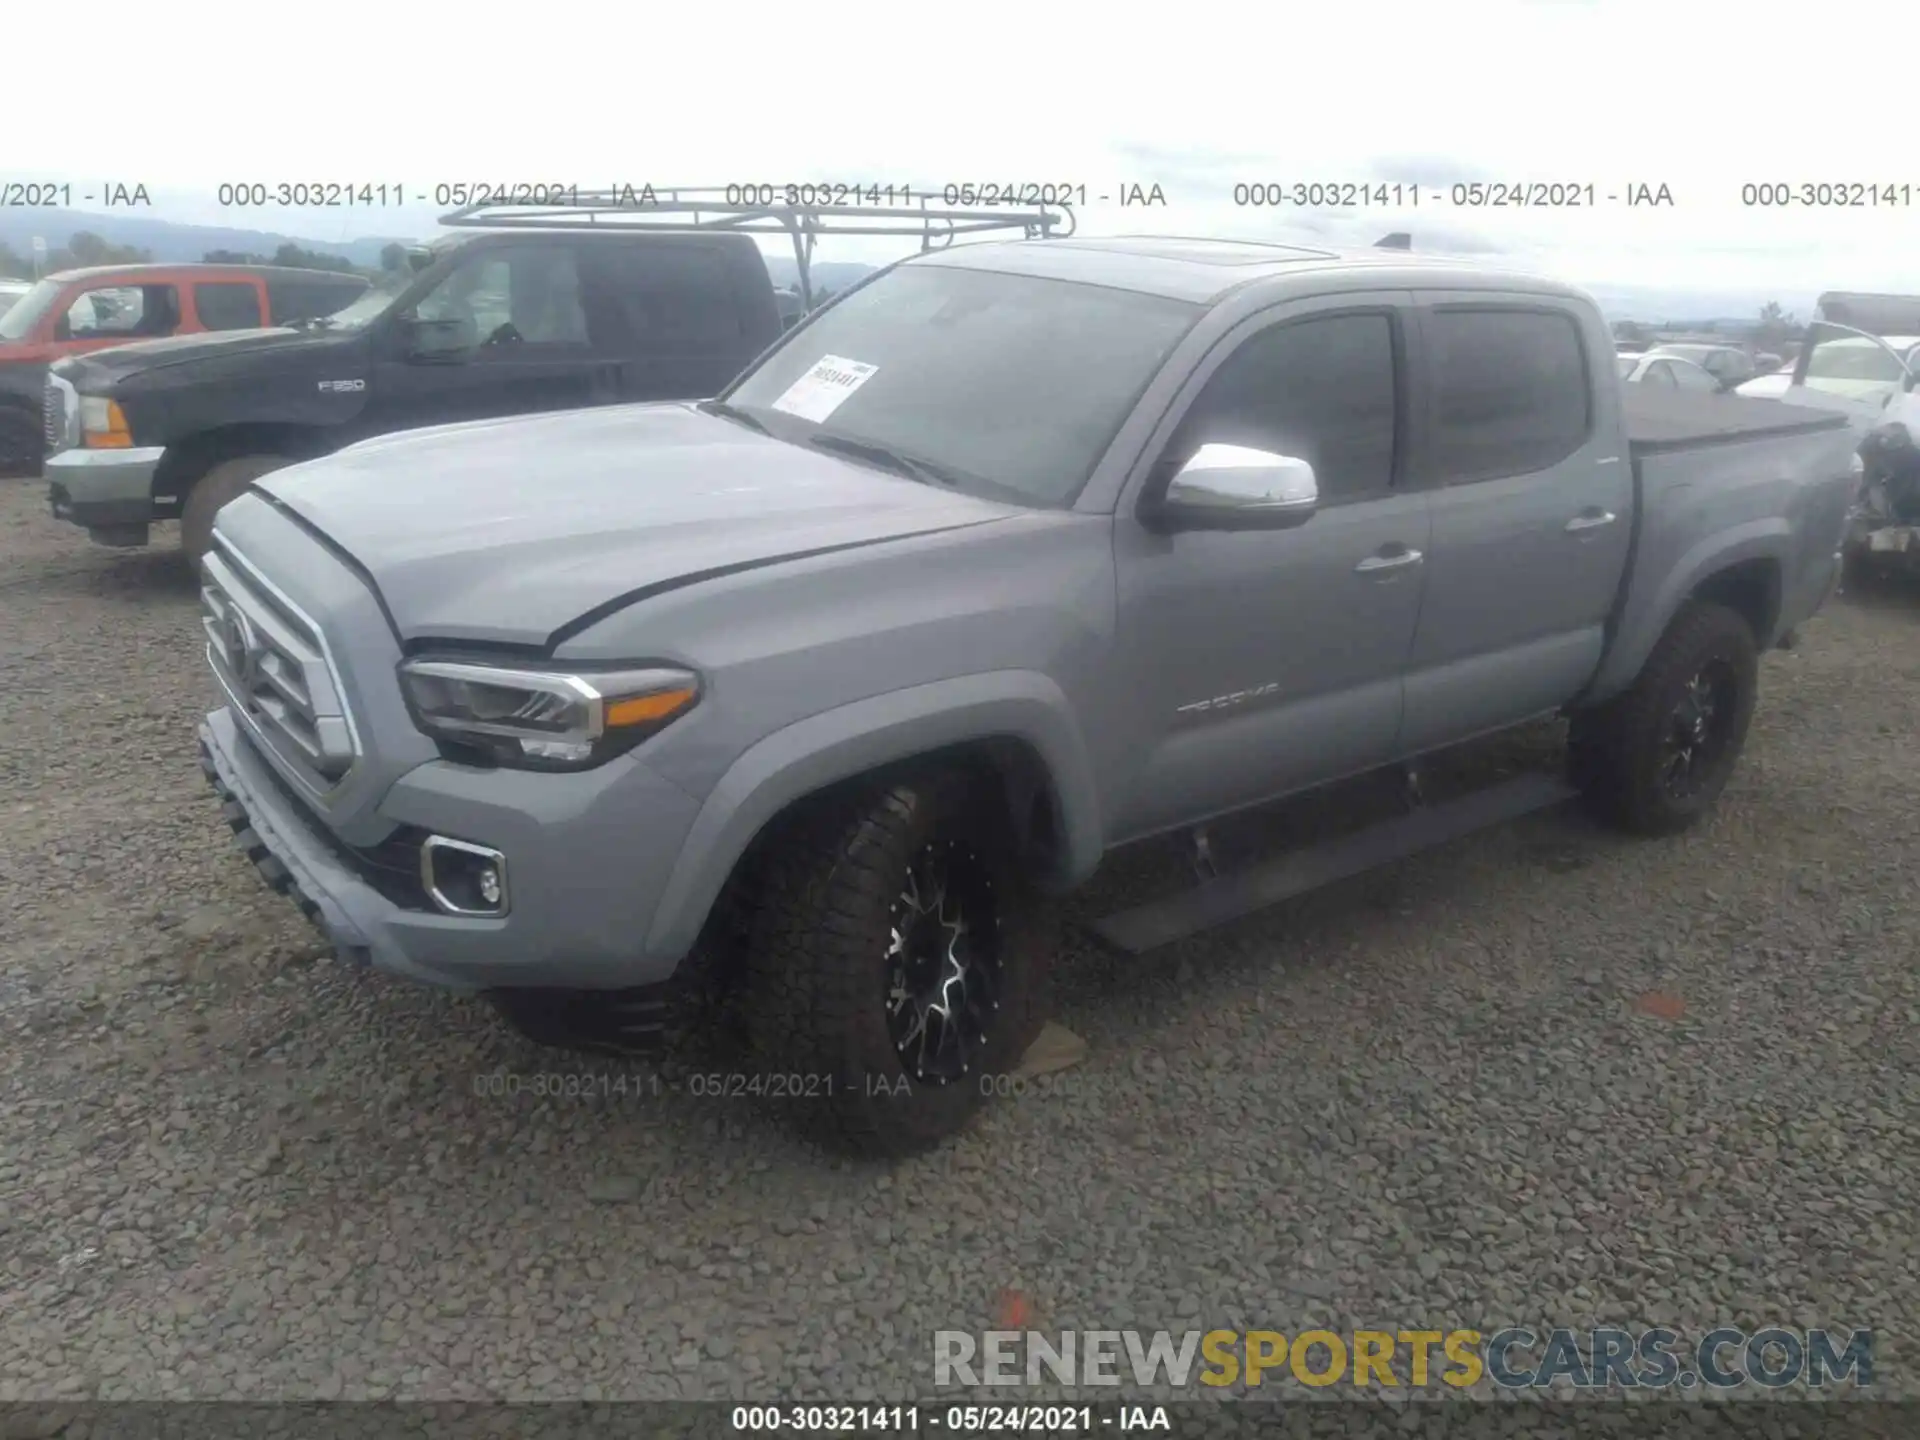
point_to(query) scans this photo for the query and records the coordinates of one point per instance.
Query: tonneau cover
(1677, 419)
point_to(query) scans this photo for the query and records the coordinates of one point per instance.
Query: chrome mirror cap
(1237, 485)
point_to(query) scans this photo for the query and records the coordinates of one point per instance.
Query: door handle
(1374, 564)
(1591, 520)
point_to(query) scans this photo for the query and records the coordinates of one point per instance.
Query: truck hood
(98, 369)
(512, 530)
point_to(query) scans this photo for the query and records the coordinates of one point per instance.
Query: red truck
(81, 310)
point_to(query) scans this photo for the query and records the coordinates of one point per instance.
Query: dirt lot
(1543, 1076)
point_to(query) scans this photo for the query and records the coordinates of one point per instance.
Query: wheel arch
(1743, 569)
(187, 460)
(1013, 727)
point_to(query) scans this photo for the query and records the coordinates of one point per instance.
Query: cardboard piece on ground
(1055, 1048)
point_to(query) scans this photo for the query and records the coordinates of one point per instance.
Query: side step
(1147, 927)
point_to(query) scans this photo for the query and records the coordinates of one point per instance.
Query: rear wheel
(222, 483)
(1655, 759)
(897, 964)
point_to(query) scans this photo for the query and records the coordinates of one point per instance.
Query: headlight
(544, 719)
(102, 426)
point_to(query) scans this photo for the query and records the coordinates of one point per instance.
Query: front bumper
(103, 489)
(589, 858)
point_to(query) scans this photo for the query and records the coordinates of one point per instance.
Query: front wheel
(897, 962)
(1655, 759)
(222, 483)
(21, 447)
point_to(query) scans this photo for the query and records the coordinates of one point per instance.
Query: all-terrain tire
(829, 893)
(1621, 754)
(222, 483)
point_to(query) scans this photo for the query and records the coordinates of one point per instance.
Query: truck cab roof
(155, 270)
(1205, 271)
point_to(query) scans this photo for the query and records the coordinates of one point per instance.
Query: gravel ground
(232, 1169)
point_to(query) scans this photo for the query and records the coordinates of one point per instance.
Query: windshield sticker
(824, 388)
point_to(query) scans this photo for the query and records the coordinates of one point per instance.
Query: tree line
(1770, 331)
(84, 248)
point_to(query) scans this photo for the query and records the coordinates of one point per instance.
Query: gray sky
(1194, 97)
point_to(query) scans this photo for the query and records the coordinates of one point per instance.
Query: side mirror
(438, 342)
(1232, 487)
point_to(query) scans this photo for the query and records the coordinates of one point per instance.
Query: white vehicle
(1872, 380)
(1868, 377)
(12, 290)
(1667, 372)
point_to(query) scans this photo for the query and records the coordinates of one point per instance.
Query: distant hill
(169, 241)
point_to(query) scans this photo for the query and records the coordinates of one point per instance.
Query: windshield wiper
(305, 322)
(731, 412)
(883, 456)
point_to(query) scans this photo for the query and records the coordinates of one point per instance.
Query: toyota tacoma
(813, 693)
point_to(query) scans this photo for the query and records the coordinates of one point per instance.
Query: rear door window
(1511, 394)
(228, 305)
(675, 297)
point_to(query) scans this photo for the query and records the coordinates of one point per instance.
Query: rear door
(688, 312)
(1532, 498)
(525, 340)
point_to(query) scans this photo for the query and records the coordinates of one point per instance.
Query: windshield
(1007, 384)
(370, 305)
(20, 321)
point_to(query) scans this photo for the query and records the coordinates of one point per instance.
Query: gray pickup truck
(1016, 553)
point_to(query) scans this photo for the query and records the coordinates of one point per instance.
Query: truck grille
(272, 663)
(58, 408)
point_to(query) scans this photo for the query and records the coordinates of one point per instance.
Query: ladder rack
(706, 209)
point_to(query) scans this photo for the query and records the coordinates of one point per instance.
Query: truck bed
(1664, 420)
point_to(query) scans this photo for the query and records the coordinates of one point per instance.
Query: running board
(1148, 927)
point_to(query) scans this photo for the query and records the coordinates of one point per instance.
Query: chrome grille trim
(272, 661)
(60, 414)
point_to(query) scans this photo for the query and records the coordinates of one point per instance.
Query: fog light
(462, 878)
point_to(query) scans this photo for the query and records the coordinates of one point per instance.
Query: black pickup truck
(485, 324)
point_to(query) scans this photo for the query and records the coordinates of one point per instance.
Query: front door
(1857, 374)
(1532, 508)
(1263, 662)
(510, 334)
(101, 316)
